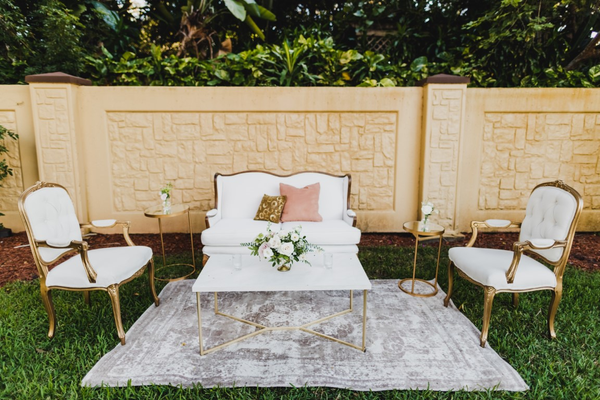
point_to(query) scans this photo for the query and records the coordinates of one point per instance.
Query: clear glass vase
(167, 205)
(424, 223)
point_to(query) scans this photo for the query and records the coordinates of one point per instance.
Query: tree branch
(590, 51)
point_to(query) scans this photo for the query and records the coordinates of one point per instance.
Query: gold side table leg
(162, 243)
(364, 339)
(199, 322)
(414, 276)
(191, 240)
(437, 267)
(412, 289)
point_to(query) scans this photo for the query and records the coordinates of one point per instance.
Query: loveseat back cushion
(239, 195)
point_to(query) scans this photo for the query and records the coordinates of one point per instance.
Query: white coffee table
(219, 275)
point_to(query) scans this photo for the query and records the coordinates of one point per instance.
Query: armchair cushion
(488, 267)
(113, 266)
(302, 203)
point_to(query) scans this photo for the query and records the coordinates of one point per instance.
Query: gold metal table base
(412, 290)
(264, 328)
(176, 210)
(193, 267)
(420, 234)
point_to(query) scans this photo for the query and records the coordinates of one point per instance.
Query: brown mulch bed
(16, 261)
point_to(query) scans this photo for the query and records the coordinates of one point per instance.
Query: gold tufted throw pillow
(270, 208)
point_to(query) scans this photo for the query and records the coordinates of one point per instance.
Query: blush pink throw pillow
(302, 203)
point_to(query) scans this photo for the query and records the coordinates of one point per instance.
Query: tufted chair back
(49, 215)
(552, 213)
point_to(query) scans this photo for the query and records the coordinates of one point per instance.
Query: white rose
(275, 242)
(295, 237)
(163, 196)
(302, 257)
(427, 209)
(287, 249)
(283, 233)
(267, 253)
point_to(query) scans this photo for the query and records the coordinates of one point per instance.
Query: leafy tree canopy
(312, 42)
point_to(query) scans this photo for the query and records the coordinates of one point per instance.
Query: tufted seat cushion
(113, 265)
(488, 267)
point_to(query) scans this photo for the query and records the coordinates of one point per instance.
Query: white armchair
(54, 232)
(546, 234)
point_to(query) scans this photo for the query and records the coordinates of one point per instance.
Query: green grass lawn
(35, 367)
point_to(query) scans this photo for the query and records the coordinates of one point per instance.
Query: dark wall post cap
(444, 78)
(57, 77)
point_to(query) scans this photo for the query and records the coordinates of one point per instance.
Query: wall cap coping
(444, 78)
(57, 77)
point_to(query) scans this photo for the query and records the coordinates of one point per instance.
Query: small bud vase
(167, 206)
(425, 223)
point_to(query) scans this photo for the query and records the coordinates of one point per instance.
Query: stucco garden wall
(15, 114)
(517, 138)
(475, 153)
(186, 135)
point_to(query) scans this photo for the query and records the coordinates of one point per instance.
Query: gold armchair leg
(450, 283)
(86, 297)
(515, 300)
(556, 296)
(113, 292)
(488, 299)
(49, 306)
(151, 279)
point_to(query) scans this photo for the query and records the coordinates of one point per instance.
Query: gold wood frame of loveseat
(303, 327)
(207, 223)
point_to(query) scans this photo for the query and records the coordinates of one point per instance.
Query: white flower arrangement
(427, 208)
(282, 247)
(165, 192)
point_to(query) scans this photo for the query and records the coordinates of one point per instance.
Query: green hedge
(305, 61)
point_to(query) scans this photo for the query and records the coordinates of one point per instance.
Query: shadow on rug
(412, 343)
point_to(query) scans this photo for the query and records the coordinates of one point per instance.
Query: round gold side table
(176, 210)
(421, 232)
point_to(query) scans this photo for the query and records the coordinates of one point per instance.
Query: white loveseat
(238, 196)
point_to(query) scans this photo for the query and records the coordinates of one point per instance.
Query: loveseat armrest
(350, 217)
(212, 217)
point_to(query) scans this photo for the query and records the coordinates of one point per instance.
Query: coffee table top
(218, 275)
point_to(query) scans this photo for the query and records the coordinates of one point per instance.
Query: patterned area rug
(412, 343)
